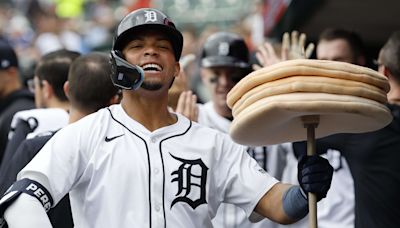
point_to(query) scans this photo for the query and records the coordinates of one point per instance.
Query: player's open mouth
(152, 67)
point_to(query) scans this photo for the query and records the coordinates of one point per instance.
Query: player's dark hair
(90, 85)
(390, 55)
(352, 38)
(53, 67)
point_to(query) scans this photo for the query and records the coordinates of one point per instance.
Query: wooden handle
(311, 122)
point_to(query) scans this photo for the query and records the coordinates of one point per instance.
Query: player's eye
(213, 79)
(164, 45)
(135, 45)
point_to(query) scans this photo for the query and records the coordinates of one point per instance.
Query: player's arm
(271, 205)
(38, 181)
(286, 203)
(29, 198)
(32, 211)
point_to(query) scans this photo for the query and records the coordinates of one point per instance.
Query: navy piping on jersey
(265, 150)
(148, 161)
(162, 161)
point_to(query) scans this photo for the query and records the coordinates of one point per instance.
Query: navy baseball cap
(8, 57)
(225, 49)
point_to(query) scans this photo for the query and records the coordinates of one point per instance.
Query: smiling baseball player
(138, 165)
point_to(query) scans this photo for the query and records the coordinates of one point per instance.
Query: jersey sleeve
(61, 161)
(246, 181)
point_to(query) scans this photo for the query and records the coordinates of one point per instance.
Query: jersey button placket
(158, 207)
(156, 171)
(156, 182)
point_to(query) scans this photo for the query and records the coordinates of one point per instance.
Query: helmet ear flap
(123, 74)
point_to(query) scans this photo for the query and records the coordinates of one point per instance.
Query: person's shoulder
(43, 111)
(94, 123)
(23, 93)
(21, 96)
(42, 138)
(36, 143)
(43, 115)
(206, 107)
(17, 101)
(210, 132)
(30, 147)
(99, 115)
(194, 126)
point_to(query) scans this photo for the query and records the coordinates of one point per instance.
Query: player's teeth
(152, 66)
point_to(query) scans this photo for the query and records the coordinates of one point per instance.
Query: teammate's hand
(266, 56)
(187, 105)
(181, 83)
(292, 48)
(314, 175)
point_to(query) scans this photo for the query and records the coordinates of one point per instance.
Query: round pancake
(309, 84)
(277, 119)
(307, 67)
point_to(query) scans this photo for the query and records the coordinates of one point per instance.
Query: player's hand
(315, 175)
(181, 83)
(187, 105)
(266, 56)
(292, 48)
(183, 77)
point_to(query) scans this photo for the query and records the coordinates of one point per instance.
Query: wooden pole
(311, 122)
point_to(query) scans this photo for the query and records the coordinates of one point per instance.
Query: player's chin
(220, 99)
(221, 95)
(152, 86)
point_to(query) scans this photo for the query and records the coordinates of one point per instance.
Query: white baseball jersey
(119, 174)
(271, 158)
(40, 120)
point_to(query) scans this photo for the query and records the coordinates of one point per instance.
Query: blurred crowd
(37, 27)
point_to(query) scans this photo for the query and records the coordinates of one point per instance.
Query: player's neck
(55, 103)
(151, 113)
(394, 94)
(75, 115)
(223, 111)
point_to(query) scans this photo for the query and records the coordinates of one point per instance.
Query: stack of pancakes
(268, 105)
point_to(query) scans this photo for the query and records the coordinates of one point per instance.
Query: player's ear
(66, 89)
(116, 99)
(48, 91)
(177, 69)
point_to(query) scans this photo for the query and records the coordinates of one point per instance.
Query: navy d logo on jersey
(190, 175)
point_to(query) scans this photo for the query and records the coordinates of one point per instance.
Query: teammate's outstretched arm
(285, 203)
